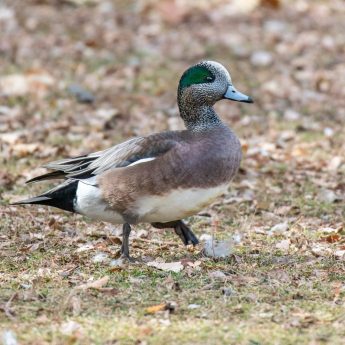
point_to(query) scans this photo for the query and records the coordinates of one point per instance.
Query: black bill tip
(248, 100)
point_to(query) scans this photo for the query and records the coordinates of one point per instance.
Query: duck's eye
(209, 78)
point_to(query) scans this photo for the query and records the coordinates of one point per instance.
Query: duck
(161, 178)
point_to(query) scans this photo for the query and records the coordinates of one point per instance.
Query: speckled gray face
(208, 82)
(200, 87)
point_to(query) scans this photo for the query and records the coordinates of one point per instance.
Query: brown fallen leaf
(271, 3)
(239, 6)
(96, 284)
(167, 266)
(331, 238)
(109, 291)
(156, 308)
(161, 307)
(6, 179)
(75, 305)
(114, 240)
(12, 137)
(22, 150)
(35, 82)
(337, 286)
(171, 11)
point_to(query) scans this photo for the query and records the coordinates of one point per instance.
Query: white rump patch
(177, 204)
(91, 204)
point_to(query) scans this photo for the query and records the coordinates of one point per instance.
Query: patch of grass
(275, 288)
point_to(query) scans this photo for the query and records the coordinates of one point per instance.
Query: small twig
(7, 307)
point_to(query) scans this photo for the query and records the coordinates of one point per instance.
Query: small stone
(329, 230)
(275, 26)
(117, 263)
(9, 338)
(228, 291)
(217, 275)
(339, 254)
(327, 196)
(279, 228)
(4, 110)
(237, 238)
(335, 163)
(142, 233)
(261, 58)
(193, 306)
(205, 237)
(81, 94)
(106, 114)
(84, 248)
(100, 257)
(319, 250)
(6, 13)
(283, 245)
(70, 328)
(291, 115)
(328, 132)
(218, 249)
(286, 136)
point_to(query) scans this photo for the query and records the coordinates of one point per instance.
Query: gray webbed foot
(181, 230)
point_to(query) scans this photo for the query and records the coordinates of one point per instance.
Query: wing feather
(121, 155)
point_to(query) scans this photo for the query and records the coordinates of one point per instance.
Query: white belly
(176, 205)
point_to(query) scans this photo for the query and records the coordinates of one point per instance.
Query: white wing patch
(142, 161)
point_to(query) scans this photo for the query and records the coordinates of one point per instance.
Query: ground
(285, 280)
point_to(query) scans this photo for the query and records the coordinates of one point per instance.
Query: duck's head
(200, 87)
(206, 83)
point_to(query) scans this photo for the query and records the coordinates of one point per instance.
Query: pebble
(9, 338)
(275, 26)
(291, 115)
(279, 228)
(218, 249)
(228, 291)
(261, 58)
(82, 95)
(327, 196)
(217, 275)
(100, 257)
(328, 132)
(194, 306)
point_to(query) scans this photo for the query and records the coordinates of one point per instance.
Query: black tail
(63, 196)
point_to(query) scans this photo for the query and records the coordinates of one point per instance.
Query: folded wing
(122, 155)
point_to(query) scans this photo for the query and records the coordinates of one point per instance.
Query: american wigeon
(162, 178)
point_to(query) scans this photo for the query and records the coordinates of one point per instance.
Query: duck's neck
(199, 118)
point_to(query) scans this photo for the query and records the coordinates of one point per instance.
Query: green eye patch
(196, 75)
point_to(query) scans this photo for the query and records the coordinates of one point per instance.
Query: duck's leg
(126, 230)
(187, 234)
(181, 229)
